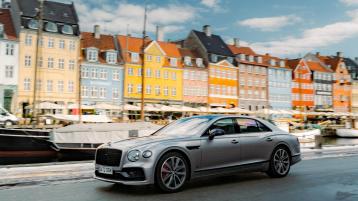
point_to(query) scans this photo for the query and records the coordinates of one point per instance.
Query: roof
(189, 53)
(292, 63)
(104, 43)
(267, 58)
(170, 49)
(5, 18)
(131, 44)
(332, 61)
(241, 50)
(317, 66)
(53, 11)
(213, 44)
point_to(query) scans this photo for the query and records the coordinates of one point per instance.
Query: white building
(9, 61)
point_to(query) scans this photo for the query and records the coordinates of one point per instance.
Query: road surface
(323, 179)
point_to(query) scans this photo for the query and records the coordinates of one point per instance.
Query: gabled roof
(131, 44)
(317, 66)
(53, 11)
(213, 44)
(5, 18)
(332, 61)
(241, 50)
(170, 49)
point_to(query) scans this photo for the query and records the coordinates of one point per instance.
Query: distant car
(195, 147)
(7, 119)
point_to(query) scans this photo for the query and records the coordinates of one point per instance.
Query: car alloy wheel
(8, 123)
(172, 172)
(281, 161)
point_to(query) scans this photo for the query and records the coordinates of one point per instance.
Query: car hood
(143, 141)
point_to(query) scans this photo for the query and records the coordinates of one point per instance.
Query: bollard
(318, 141)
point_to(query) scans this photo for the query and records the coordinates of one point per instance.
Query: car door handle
(269, 139)
(234, 141)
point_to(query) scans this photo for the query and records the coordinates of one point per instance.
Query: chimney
(97, 32)
(207, 30)
(237, 42)
(339, 54)
(318, 54)
(159, 33)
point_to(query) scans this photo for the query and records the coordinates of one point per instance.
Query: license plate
(105, 170)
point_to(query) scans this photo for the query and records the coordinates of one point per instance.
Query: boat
(79, 141)
(19, 146)
(306, 135)
(347, 132)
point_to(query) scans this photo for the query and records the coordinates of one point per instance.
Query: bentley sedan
(195, 147)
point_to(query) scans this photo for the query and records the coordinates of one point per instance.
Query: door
(255, 140)
(221, 151)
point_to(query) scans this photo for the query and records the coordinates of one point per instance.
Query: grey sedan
(196, 147)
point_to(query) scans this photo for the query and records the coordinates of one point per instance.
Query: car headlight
(133, 156)
(147, 154)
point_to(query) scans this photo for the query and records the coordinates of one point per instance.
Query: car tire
(280, 163)
(172, 172)
(8, 123)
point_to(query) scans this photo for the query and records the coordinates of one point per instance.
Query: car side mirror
(215, 132)
(4, 114)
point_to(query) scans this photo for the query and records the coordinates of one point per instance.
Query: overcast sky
(287, 28)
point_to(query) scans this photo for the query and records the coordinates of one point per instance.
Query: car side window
(251, 126)
(225, 124)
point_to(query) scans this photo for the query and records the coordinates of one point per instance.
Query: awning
(83, 107)
(47, 106)
(106, 106)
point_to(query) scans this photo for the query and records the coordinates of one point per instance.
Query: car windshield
(186, 126)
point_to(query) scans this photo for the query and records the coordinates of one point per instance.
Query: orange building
(342, 82)
(302, 85)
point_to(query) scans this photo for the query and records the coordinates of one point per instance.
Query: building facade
(279, 83)
(163, 76)
(9, 61)
(352, 66)
(101, 70)
(56, 63)
(302, 85)
(195, 79)
(222, 70)
(252, 82)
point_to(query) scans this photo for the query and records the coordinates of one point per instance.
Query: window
(130, 88)
(148, 89)
(214, 58)
(51, 43)
(166, 91)
(148, 72)
(134, 57)
(49, 85)
(158, 59)
(166, 74)
(61, 63)
(61, 44)
(40, 62)
(41, 42)
(149, 57)
(71, 65)
(111, 57)
(115, 75)
(9, 71)
(174, 75)
(39, 85)
(94, 92)
(27, 84)
(157, 90)
(71, 86)
(102, 92)
(249, 69)
(187, 61)
(157, 73)
(130, 71)
(51, 27)
(115, 93)
(50, 62)
(199, 62)
(173, 61)
(139, 88)
(174, 91)
(92, 55)
(227, 125)
(67, 29)
(60, 86)
(28, 40)
(251, 126)
(72, 45)
(27, 61)
(10, 49)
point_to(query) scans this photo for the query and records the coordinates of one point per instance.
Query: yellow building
(163, 71)
(58, 54)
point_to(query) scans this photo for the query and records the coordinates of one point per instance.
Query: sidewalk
(22, 175)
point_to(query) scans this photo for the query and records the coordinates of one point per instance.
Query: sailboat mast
(143, 66)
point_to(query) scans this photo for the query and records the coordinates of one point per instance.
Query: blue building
(279, 84)
(101, 71)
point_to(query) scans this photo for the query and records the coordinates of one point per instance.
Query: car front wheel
(280, 163)
(171, 172)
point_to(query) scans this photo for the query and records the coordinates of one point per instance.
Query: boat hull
(347, 133)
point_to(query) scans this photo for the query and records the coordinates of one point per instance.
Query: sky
(285, 28)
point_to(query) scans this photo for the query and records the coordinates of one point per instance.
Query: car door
(255, 140)
(221, 151)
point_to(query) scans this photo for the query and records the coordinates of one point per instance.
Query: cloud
(210, 3)
(350, 2)
(311, 39)
(270, 23)
(123, 16)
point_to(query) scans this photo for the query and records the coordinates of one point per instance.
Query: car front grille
(108, 157)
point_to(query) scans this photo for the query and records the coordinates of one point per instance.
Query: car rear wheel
(8, 123)
(171, 172)
(280, 163)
